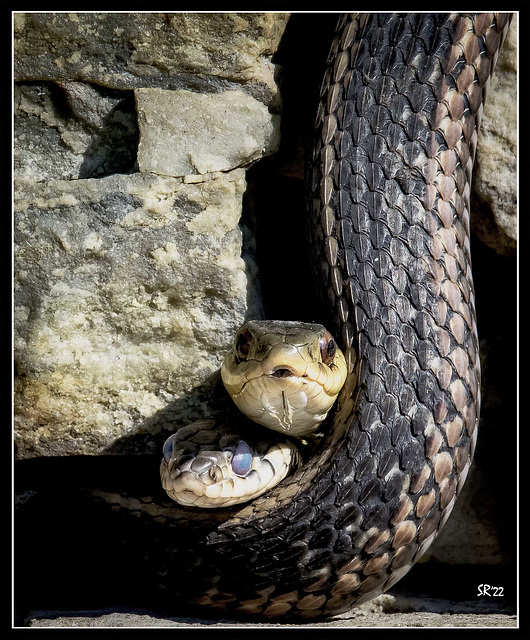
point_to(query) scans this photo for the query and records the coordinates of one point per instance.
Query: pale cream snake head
(283, 375)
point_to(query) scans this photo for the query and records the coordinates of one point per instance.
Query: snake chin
(295, 406)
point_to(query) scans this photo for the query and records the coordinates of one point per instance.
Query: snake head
(202, 468)
(284, 375)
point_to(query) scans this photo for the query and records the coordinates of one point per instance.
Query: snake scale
(388, 207)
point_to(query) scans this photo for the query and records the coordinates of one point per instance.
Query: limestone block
(495, 179)
(182, 132)
(168, 50)
(128, 290)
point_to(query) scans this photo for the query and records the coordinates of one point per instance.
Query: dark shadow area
(495, 278)
(115, 136)
(66, 552)
(76, 551)
(277, 183)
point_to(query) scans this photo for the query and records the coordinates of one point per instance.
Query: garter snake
(389, 179)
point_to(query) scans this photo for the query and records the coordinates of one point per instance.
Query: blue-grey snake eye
(167, 449)
(242, 460)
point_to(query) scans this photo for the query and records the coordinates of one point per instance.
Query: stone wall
(133, 133)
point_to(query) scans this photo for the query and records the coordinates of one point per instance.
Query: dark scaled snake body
(388, 207)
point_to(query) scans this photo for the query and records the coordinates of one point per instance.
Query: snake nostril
(282, 372)
(215, 473)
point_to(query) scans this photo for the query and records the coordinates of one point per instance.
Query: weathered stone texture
(73, 130)
(495, 177)
(201, 51)
(184, 133)
(128, 289)
(129, 284)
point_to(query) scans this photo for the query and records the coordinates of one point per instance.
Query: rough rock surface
(200, 51)
(128, 289)
(495, 176)
(73, 130)
(356, 620)
(183, 132)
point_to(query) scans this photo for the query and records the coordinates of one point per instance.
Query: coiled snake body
(389, 186)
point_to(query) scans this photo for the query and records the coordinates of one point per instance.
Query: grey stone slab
(128, 290)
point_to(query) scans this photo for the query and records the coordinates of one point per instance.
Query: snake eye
(328, 348)
(242, 459)
(242, 344)
(167, 450)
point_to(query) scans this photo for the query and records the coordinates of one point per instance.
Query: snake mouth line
(304, 379)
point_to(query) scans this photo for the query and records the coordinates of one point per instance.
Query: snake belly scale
(388, 194)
